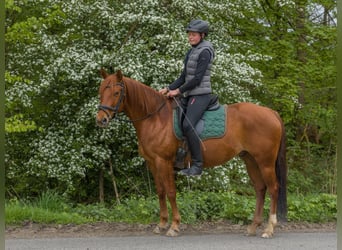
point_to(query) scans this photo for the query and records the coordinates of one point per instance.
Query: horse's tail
(281, 172)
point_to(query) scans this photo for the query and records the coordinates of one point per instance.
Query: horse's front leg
(163, 175)
(166, 178)
(163, 222)
(163, 213)
(171, 194)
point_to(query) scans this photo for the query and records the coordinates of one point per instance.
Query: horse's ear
(103, 73)
(119, 75)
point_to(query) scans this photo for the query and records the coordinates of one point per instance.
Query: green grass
(194, 207)
(18, 212)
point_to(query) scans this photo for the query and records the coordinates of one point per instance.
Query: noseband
(105, 108)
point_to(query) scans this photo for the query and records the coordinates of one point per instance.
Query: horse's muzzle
(102, 121)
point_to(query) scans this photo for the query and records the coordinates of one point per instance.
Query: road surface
(281, 241)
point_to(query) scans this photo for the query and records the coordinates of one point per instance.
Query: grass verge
(194, 207)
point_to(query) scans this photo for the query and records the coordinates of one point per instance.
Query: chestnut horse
(255, 133)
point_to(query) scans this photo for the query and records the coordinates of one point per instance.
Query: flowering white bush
(55, 49)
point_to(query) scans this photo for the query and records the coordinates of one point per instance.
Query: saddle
(211, 125)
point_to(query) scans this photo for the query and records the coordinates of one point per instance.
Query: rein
(105, 108)
(144, 117)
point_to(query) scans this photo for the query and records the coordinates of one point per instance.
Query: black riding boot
(194, 144)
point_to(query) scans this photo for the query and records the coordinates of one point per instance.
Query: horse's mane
(142, 95)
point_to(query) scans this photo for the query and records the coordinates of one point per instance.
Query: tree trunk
(101, 189)
(301, 44)
(301, 60)
(111, 173)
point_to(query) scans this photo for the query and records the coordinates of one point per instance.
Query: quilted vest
(204, 87)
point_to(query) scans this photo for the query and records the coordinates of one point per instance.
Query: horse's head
(112, 93)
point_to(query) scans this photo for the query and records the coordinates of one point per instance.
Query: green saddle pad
(211, 125)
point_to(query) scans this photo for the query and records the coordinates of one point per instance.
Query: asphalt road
(291, 241)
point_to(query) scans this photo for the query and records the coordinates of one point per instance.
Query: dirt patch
(101, 229)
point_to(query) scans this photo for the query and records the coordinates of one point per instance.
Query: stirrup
(180, 155)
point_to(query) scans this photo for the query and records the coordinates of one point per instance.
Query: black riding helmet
(198, 26)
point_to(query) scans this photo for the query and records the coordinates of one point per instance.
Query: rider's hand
(173, 93)
(163, 91)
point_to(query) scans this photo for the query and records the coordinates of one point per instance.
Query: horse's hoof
(268, 231)
(267, 235)
(251, 230)
(158, 229)
(172, 233)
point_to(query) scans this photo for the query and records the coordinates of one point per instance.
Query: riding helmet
(198, 26)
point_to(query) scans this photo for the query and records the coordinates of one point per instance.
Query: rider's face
(194, 37)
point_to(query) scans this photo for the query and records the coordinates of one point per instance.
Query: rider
(195, 88)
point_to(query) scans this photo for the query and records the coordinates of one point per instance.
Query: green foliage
(48, 208)
(54, 50)
(312, 208)
(50, 200)
(194, 207)
(17, 124)
(132, 210)
(16, 214)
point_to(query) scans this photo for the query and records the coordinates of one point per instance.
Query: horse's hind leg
(269, 176)
(260, 191)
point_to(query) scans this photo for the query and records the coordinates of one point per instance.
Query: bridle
(115, 109)
(105, 108)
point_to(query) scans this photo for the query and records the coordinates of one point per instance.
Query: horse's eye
(116, 93)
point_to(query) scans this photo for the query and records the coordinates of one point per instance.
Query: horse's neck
(141, 100)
